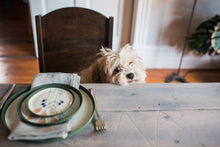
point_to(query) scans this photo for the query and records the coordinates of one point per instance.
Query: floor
(17, 56)
(18, 63)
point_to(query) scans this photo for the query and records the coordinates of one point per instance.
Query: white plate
(50, 101)
(53, 120)
(28, 117)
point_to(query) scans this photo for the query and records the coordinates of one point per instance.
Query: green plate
(81, 119)
(28, 117)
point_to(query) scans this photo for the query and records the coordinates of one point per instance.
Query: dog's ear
(126, 50)
(104, 52)
(102, 70)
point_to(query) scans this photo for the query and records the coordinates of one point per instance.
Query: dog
(122, 67)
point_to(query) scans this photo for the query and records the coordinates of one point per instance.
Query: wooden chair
(69, 38)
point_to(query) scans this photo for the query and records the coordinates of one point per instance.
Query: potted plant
(206, 38)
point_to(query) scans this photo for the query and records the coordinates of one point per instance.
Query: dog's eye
(131, 64)
(117, 69)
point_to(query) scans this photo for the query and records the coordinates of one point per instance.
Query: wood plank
(164, 96)
(137, 129)
(122, 130)
(189, 128)
(16, 38)
(18, 70)
(191, 75)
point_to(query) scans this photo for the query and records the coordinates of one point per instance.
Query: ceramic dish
(53, 120)
(80, 120)
(50, 101)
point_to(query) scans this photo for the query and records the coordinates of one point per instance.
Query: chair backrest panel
(69, 38)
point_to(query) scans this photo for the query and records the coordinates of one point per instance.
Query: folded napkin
(63, 78)
(24, 131)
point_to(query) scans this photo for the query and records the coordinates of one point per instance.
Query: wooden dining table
(157, 115)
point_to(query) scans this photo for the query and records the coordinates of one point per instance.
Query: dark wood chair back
(69, 38)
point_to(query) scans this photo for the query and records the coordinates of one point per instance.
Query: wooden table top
(166, 114)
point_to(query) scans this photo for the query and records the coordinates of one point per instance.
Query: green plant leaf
(206, 38)
(207, 25)
(216, 39)
(201, 45)
(198, 35)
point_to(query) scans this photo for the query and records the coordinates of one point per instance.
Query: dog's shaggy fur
(120, 67)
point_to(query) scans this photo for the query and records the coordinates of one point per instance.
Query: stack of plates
(49, 104)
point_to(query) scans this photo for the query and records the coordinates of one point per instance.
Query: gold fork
(99, 124)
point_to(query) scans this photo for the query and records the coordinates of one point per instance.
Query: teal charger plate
(10, 117)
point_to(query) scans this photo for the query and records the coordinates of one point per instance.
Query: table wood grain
(163, 115)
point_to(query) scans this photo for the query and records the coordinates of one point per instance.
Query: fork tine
(99, 124)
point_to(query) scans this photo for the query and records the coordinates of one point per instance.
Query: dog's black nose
(130, 76)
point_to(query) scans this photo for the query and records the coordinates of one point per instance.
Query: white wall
(107, 7)
(158, 27)
(160, 31)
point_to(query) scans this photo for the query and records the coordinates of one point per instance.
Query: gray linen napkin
(63, 78)
(24, 131)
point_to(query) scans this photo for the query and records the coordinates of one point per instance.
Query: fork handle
(96, 107)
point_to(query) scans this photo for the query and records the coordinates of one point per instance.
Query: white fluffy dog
(120, 67)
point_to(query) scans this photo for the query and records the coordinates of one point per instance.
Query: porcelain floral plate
(31, 118)
(51, 101)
